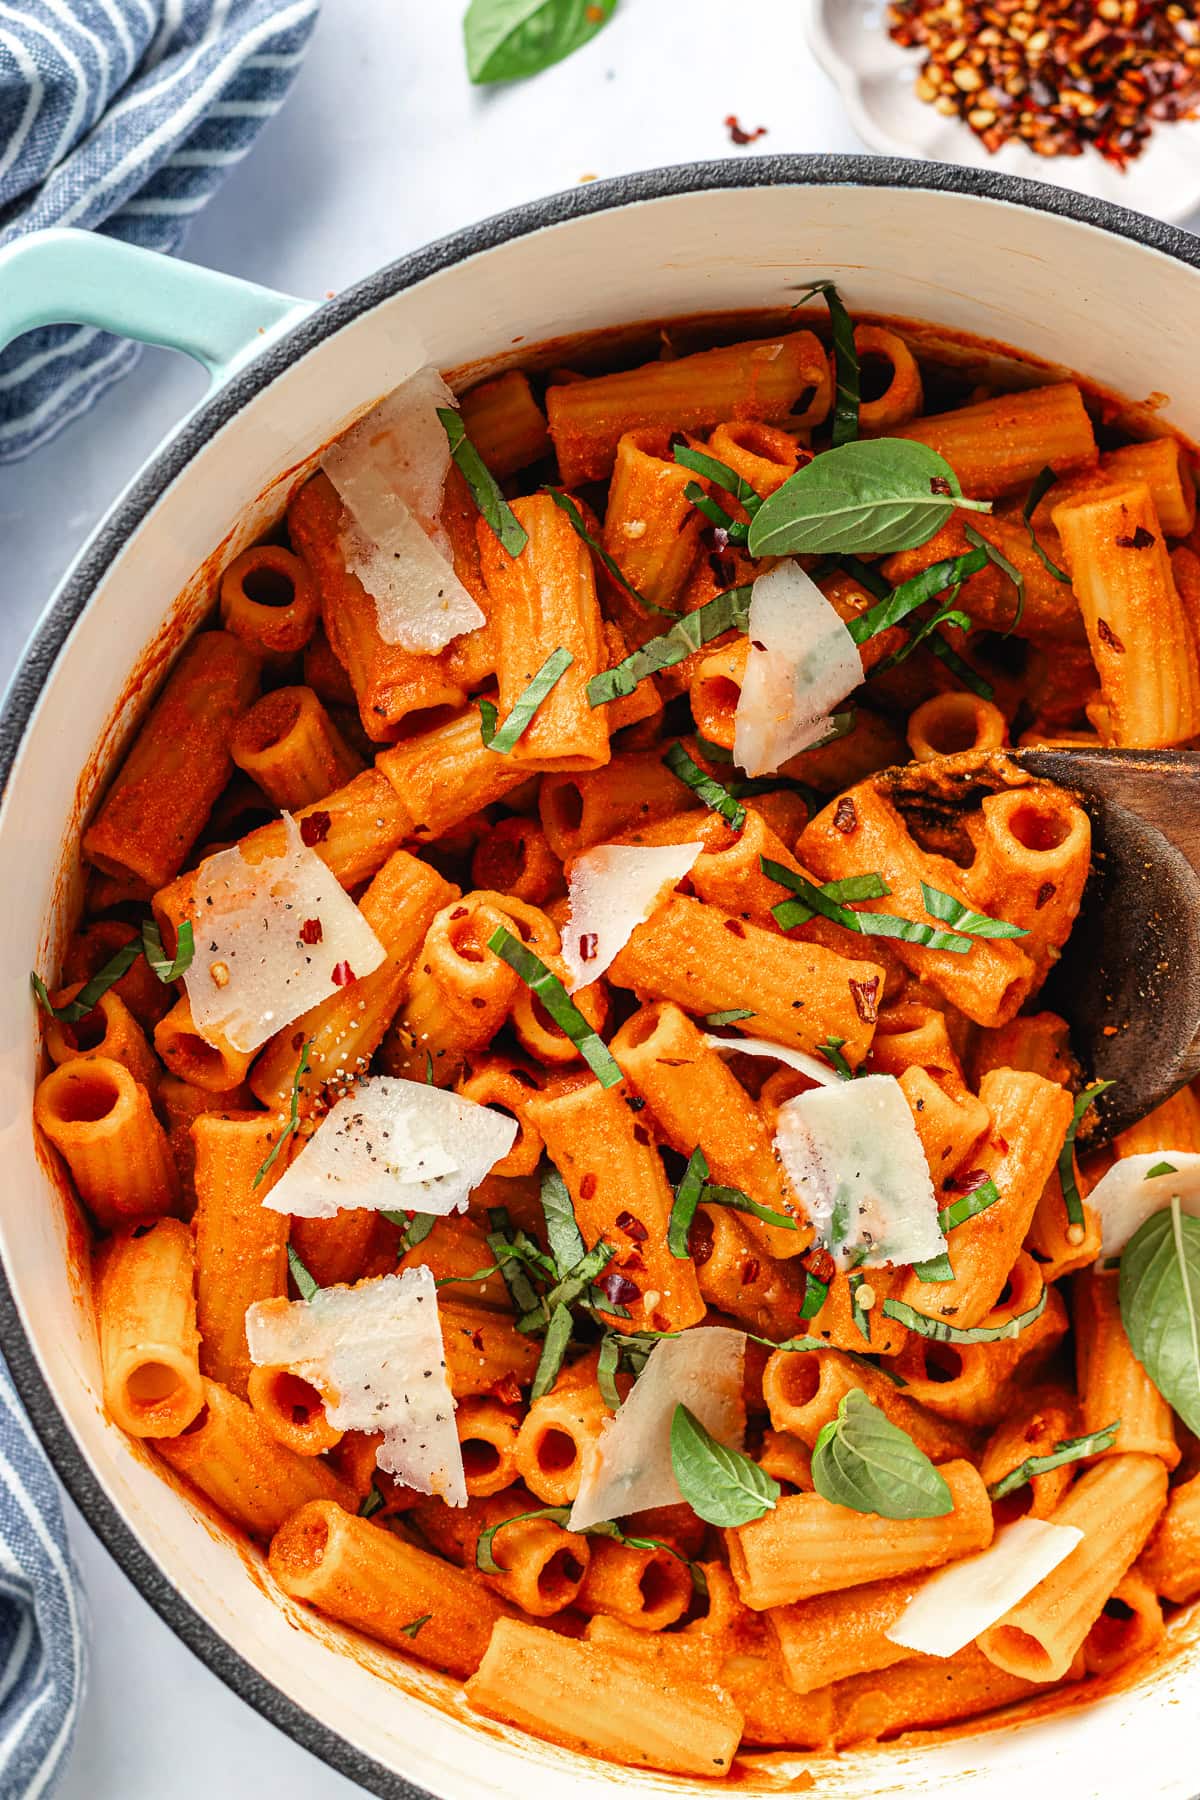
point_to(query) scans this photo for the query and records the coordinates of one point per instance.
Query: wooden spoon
(1128, 982)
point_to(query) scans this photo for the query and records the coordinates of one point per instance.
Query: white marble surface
(382, 147)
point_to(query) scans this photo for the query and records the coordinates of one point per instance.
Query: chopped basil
(372, 1501)
(1161, 1168)
(558, 1336)
(415, 1230)
(705, 787)
(973, 924)
(510, 1261)
(858, 1313)
(1037, 493)
(721, 1486)
(917, 591)
(935, 1268)
(723, 477)
(569, 1288)
(485, 491)
(559, 1004)
(1160, 1306)
(565, 504)
(305, 1283)
(507, 40)
(816, 1293)
(562, 1232)
(524, 707)
(293, 1119)
(854, 887)
(909, 931)
(485, 1558)
(831, 1050)
(429, 1068)
(995, 555)
(864, 1462)
(945, 1333)
(716, 1195)
(729, 611)
(606, 1371)
(414, 1625)
(866, 575)
(168, 968)
(92, 990)
(687, 1199)
(1067, 1450)
(945, 653)
(845, 362)
(735, 1014)
(872, 496)
(938, 1268)
(1066, 1156)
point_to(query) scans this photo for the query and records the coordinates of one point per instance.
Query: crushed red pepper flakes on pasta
(632, 1227)
(738, 133)
(1140, 539)
(1046, 892)
(845, 816)
(865, 995)
(342, 974)
(1063, 76)
(1107, 635)
(314, 828)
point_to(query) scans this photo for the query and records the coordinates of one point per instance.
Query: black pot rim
(23, 693)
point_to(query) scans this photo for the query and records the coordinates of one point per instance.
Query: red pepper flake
(738, 133)
(314, 828)
(751, 1270)
(311, 932)
(619, 1290)
(966, 1184)
(342, 975)
(818, 1263)
(845, 816)
(736, 926)
(1107, 635)
(641, 1135)
(588, 943)
(938, 484)
(1046, 892)
(632, 1227)
(477, 1340)
(587, 1187)
(757, 644)
(700, 1239)
(865, 995)
(1140, 540)
(507, 1390)
(460, 912)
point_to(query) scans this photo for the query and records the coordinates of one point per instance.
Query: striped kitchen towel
(43, 1640)
(122, 116)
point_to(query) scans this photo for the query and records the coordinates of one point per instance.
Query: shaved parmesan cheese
(953, 1606)
(374, 1354)
(614, 889)
(855, 1159)
(389, 471)
(631, 1469)
(1125, 1197)
(273, 939)
(800, 1060)
(394, 1145)
(801, 662)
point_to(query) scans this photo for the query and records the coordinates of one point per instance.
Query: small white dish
(876, 80)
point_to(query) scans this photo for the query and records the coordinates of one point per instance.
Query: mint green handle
(80, 278)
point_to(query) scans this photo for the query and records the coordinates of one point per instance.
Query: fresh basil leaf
(705, 787)
(855, 887)
(814, 900)
(559, 1004)
(716, 1195)
(729, 611)
(414, 1625)
(507, 40)
(516, 1279)
(485, 491)
(554, 1349)
(1161, 1168)
(831, 1050)
(372, 1501)
(92, 990)
(736, 530)
(168, 968)
(937, 1268)
(565, 504)
(946, 1333)
(816, 1293)
(845, 362)
(973, 924)
(734, 1016)
(293, 1119)
(995, 555)
(606, 1371)
(869, 497)
(562, 1232)
(859, 1314)
(969, 1205)
(721, 1486)
(1066, 1156)
(415, 1230)
(1037, 493)
(969, 677)
(305, 1283)
(917, 591)
(484, 1555)
(525, 705)
(687, 1199)
(429, 1068)
(1160, 1306)
(862, 1461)
(1067, 1450)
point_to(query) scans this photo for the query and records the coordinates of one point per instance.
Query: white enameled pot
(1071, 281)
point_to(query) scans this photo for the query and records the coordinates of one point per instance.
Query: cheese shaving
(394, 1145)
(800, 1060)
(630, 1470)
(273, 939)
(374, 1354)
(390, 470)
(953, 1606)
(1124, 1198)
(854, 1157)
(614, 889)
(802, 661)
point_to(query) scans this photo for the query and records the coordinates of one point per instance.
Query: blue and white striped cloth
(43, 1637)
(122, 116)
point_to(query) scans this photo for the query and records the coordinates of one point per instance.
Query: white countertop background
(382, 147)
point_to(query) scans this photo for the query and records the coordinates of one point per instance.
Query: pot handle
(65, 277)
